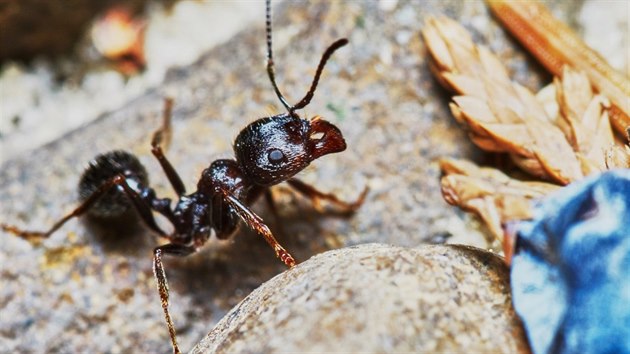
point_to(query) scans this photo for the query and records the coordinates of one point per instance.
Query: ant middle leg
(119, 180)
(162, 283)
(271, 203)
(316, 196)
(161, 137)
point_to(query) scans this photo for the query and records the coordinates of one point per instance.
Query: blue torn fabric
(570, 272)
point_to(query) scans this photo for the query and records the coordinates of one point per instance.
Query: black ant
(268, 151)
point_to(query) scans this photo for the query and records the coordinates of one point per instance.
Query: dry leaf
(489, 193)
(586, 117)
(619, 156)
(502, 115)
(561, 134)
(555, 45)
(119, 37)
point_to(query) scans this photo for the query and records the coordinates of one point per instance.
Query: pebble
(378, 298)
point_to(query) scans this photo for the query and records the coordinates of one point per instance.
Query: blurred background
(64, 63)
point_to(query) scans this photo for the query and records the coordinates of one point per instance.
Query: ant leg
(162, 284)
(255, 222)
(272, 204)
(274, 210)
(315, 196)
(120, 180)
(141, 206)
(163, 136)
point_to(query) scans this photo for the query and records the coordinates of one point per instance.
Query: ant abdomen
(104, 168)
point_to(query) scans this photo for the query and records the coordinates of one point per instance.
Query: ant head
(272, 150)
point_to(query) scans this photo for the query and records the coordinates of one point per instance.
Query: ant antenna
(270, 71)
(322, 62)
(320, 67)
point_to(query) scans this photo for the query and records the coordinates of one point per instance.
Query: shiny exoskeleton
(268, 151)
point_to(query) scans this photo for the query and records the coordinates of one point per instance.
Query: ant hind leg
(119, 180)
(162, 283)
(78, 211)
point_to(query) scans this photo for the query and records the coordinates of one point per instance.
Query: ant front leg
(255, 222)
(120, 180)
(162, 283)
(315, 196)
(163, 136)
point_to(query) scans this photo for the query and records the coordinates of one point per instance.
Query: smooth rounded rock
(378, 298)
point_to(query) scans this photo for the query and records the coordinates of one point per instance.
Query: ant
(269, 151)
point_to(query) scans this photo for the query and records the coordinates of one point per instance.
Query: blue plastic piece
(570, 273)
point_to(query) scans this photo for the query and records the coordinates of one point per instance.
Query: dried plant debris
(119, 38)
(490, 193)
(567, 245)
(584, 119)
(559, 135)
(619, 156)
(555, 45)
(503, 116)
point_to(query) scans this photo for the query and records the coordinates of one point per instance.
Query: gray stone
(377, 298)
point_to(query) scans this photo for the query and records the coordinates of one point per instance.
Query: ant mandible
(268, 151)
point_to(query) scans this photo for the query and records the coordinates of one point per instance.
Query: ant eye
(275, 156)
